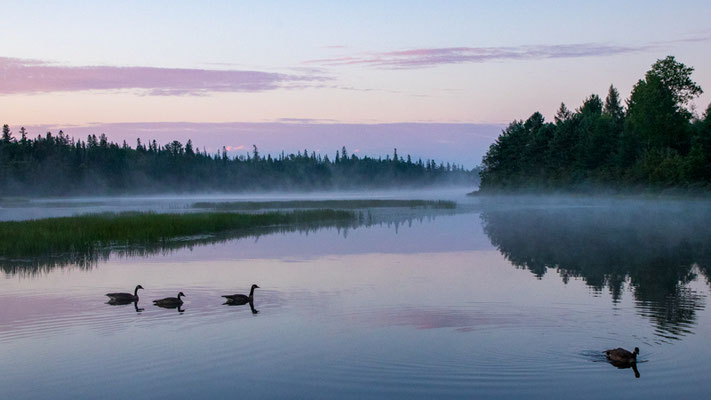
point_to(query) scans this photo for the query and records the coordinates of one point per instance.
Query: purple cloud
(430, 57)
(36, 76)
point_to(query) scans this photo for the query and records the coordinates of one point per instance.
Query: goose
(241, 298)
(620, 355)
(169, 302)
(124, 298)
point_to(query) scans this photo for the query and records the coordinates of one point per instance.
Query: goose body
(620, 355)
(124, 298)
(169, 302)
(241, 298)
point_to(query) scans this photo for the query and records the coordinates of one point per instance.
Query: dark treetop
(60, 165)
(654, 144)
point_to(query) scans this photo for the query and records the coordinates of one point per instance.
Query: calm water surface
(502, 300)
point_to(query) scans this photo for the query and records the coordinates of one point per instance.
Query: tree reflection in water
(655, 249)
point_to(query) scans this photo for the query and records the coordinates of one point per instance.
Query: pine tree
(562, 115)
(612, 106)
(6, 134)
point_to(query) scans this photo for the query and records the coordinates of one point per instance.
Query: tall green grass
(86, 233)
(338, 204)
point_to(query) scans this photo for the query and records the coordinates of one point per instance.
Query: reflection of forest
(392, 218)
(655, 250)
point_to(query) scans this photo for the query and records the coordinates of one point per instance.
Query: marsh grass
(81, 235)
(329, 204)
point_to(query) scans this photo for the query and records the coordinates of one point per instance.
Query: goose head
(181, 294)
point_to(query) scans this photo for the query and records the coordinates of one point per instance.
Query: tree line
(57, 165)
(654, 143)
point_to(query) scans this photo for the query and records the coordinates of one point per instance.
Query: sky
(435, 79)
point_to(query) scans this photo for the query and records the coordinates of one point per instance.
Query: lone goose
(621, 355)
(124, 298)
(169, 302)
(241, 298)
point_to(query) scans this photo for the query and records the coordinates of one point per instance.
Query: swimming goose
(241, 298)
(169, 302)
(124, 298)
(621, 355)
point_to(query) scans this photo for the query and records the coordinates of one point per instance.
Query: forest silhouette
(59, 165)
(655, 143)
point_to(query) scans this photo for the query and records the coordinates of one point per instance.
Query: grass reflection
(34, 246)
(334, 204)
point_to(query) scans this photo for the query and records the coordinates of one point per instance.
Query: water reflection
(86, 260)
(626, 365)
(234, 304)
(125, 303)
(179, 307)
(654, 250)
(113, 302)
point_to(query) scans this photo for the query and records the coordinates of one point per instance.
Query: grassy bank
(337, 204)
(92, 232)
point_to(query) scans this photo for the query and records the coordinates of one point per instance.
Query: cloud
(36, 76)
(430, 57)
(304, 120)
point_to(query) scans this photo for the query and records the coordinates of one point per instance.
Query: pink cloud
(36, 76)
(430, 57)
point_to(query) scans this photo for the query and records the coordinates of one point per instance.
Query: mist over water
(16, 209)
(504, 297)
(651, 250)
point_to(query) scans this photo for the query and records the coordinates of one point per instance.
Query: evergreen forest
(654, 143)
(59, 165)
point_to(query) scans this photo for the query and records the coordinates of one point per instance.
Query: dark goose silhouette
(170, 302)
(622, 359)
(621, 355)
(239, 299)
(124, 298)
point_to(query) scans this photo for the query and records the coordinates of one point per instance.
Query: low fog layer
(17, 209)
(59, 165)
